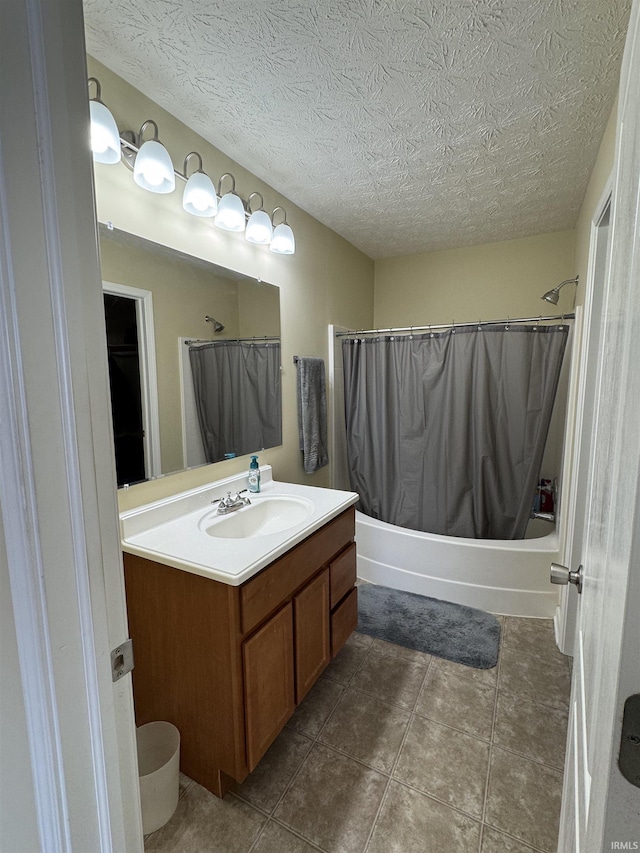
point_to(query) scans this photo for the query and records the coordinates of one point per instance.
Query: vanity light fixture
(199, 197)
(259, 227)
(105, 139)
(283, 242)
(230, 215)
(153, 170)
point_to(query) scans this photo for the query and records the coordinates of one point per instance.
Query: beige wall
(490, 281)
(326, 281)
(259, 312)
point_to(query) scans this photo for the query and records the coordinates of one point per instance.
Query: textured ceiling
(404, 125)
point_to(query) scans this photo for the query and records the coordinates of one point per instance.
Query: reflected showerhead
(553, 296)
(217, 325)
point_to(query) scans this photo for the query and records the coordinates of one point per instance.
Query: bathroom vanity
(225, 649)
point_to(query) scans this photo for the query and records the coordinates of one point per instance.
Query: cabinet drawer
(344, 621)
(342, 574)
(261, 595)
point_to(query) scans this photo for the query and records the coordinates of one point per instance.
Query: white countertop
(171, 531)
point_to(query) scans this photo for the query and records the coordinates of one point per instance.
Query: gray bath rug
(452, 631)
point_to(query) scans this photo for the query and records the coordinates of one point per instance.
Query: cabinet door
(311, 612)
(268, 682)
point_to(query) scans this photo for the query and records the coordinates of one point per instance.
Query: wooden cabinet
(227, 665)
(313, 641)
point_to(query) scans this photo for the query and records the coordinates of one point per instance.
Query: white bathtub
(510, 577)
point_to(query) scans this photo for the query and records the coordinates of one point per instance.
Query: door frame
(57, 478)
(585, 328)
(148, 371)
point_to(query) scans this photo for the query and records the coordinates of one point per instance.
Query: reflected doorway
(124, 381)
(128, 316)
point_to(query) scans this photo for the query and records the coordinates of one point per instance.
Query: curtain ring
(410, 333)
(453, 327)
(479, 324)
(535, 328)
(508, 325)
(561, 326)
(431, 335)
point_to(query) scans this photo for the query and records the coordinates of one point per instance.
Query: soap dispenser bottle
(253, 479)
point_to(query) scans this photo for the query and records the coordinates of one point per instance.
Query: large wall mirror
(194, 358)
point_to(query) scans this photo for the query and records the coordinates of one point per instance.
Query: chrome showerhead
(553, 296)
(217, 325)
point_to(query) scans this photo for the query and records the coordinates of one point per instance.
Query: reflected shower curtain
(446, 432)
(237, 391)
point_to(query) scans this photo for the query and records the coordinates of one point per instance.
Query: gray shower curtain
(238, 398)
(445, 432)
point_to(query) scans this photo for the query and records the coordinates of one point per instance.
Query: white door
(74, 756)
(601, 810)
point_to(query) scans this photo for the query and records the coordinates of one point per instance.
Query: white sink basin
(185, 531)
(265, 515)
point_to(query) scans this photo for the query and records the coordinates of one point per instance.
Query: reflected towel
(312, 413)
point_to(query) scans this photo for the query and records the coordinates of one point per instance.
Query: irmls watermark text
(625, 845)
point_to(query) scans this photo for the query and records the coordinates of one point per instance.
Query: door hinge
(629, 758)
(122, 660)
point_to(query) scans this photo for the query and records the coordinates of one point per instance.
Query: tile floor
(395, 751)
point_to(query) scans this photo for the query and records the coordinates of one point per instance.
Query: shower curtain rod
(454, 325)
(231, 340)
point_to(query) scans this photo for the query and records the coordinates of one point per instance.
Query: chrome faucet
(230, 504)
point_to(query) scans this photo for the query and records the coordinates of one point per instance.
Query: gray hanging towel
(312, 413)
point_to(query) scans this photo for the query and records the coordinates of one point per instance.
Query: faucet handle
(223, 501)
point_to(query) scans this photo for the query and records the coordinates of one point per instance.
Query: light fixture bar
(130, 146)
(235, 209)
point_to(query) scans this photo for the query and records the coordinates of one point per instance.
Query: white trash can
(159, 772)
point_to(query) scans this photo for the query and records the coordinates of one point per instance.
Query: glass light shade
(283, 242)
(105, 139)
(153, 169)
(259, 228)
(199, 196)
(230, 215)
